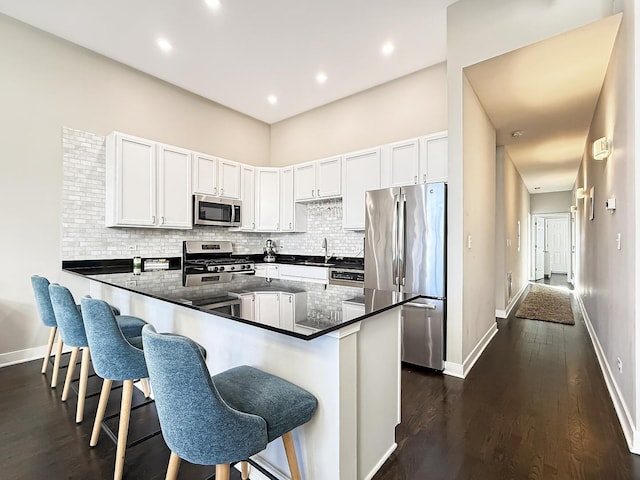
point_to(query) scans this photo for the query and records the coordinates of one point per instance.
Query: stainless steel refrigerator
(405, 252)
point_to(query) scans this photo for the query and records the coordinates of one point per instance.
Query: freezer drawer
(423, 333)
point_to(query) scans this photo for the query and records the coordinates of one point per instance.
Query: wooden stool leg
(56, 363)
(244, 468)
(70, 369)
(123, 428)
(222, 471)
(52, 337)
(82, 388)
(145, 387)
(174, 466)
(290, 450)
(102, 406)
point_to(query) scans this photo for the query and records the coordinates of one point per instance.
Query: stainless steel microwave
(216, 211)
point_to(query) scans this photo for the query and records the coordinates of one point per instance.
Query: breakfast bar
(340, 343)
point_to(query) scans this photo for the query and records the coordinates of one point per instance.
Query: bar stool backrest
(68, 316)
(43, 301)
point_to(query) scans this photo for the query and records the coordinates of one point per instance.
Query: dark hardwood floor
(535, 407)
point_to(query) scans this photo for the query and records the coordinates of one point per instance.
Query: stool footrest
(114, 437)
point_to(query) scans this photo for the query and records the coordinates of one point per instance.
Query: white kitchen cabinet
(399, 164)
(293, 307)
(304, 273)
(228, 179)
(434, 158)
(293, 216)
(247, 211)
(351, 310)
(267, 270)
(360, 172)
(317, 180)
(267, 199)
(205, 174)
(268, 308)
(247, 306)
(147, 185)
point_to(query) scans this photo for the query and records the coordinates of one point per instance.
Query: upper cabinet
(434, 158)
(216, 176)
(147, 184)
(318, 180)
(293, 216)
(400, 163)
(267, 199)
(360, 172)
(248, 195)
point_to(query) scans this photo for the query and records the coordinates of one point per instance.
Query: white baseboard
(506, 312)
(378, 465)
(26, 355)
(624, 417)
(462, 370)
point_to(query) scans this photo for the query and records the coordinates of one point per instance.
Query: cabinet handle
(162, 220)
(415, 179)
(221, 191)
(290, 227)
(253, 224)
(313, 193)
(318, 192)
(289, 299)
(424, 178)
(215, 190)
(153, 219)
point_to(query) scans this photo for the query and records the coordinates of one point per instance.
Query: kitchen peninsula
(344, 347)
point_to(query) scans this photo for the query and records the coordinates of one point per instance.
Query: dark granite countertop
(324, 312)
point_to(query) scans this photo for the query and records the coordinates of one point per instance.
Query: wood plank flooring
(534, 407)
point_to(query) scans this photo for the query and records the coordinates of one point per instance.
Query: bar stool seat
(72, 331)
(222, 419)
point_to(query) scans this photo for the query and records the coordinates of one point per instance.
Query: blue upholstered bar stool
(73, 334)
(43, 301)
(114, 358)
(222, 419)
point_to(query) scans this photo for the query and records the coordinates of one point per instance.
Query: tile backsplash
(84, 235)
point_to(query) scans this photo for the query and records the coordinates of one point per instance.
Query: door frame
(532, 243)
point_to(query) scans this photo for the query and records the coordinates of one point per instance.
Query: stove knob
(233, 268)
(221, 269)
(247, 267)
(213, 269)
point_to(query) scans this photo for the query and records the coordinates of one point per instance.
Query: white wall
(512, 206)
(607, 280)
(552, 202)
(47, 83)
(407, 107)
(477, 31)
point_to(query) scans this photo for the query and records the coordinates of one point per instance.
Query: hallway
(535, 406)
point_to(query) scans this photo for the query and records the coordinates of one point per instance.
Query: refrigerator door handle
(402, 267)
(394, 239)
(426, 306)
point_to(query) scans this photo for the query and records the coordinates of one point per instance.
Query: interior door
(539, 249)
(558, 244)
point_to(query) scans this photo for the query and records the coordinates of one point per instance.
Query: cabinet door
(287, 217)
(205, 181)
(247, 306)
(287, 310)
(174, 187)
(305, 181)
(247, 212)
(228, 179)
(268, 308)
(267, 199)
(400, 163)
(360, 172)
(130, 181)
(434, 159)
(328, 177)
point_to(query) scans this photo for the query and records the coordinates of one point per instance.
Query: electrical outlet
(619, 363)
(130, 283)
(132, 247)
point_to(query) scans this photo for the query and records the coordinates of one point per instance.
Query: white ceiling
(548, 90)
(246, 50)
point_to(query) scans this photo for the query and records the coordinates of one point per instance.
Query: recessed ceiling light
(213, 4)
(388, 48)
(164, 45)
(517, 133)
(321, 77)
(272, 99)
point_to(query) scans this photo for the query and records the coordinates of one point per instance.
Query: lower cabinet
(278, 309)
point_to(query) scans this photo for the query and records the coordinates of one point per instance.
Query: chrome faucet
(325, 245)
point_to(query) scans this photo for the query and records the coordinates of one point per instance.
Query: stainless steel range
(211, 262)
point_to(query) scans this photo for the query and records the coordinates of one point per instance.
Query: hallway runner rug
(547, 304)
